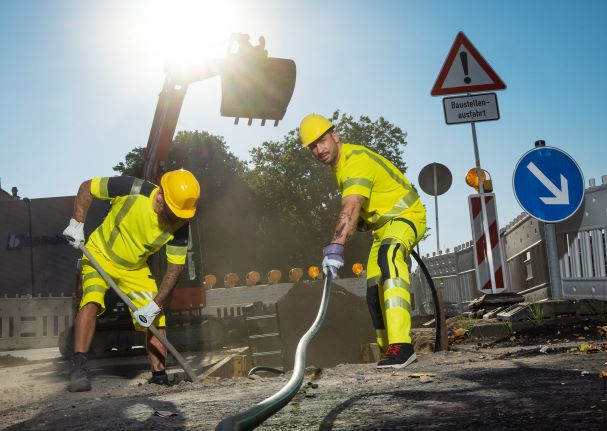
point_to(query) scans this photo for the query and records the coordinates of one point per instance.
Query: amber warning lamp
(472, 180)
(313, 272)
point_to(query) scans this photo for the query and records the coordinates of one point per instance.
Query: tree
(302, 195)
(133, 162)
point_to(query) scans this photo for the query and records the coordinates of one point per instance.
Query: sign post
(465, 71)
(435, 179)
(549, 185)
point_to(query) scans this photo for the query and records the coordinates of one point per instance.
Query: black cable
(438, 313)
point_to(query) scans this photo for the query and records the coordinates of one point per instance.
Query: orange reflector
(313, 272)
(253, 278)
(274, 276)
(230, 279)
(295, 274)
(358, 269)
(209, 281)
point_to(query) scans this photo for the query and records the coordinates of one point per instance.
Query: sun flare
(178, 32)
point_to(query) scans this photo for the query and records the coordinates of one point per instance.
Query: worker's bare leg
(84, 327)
(157, 353)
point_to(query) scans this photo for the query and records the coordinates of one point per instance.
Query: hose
(438, 313)
(257, 414)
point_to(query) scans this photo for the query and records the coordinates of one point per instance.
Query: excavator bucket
(260, 88)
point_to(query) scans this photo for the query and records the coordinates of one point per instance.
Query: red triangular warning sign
(465, 71)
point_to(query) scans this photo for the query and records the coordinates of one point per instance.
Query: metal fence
(582, 251)
(27, 323)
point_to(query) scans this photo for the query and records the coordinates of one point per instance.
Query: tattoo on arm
(346, 220)
(169, 281)
(82, 202)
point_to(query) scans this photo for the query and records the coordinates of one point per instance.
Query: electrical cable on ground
(257, 414)
(438, 313)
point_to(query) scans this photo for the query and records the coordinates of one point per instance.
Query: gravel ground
(470, 388)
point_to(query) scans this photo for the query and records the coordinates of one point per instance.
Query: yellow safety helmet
(181, 192)
(312, 127)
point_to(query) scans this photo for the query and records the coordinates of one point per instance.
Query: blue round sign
(548, 184)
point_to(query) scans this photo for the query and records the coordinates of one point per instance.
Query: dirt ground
(497, 386)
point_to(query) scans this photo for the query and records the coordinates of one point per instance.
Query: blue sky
(80, 80)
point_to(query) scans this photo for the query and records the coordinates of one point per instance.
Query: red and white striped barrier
(481, 262)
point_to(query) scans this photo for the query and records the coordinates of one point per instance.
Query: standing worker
(142, 218)
(375, 191)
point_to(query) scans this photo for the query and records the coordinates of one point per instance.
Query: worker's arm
(347, 219)
(169, 281)
(74, 233)
(82, 203)
(145, 315)
(346, 224)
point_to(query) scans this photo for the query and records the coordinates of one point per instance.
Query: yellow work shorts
(138, 284)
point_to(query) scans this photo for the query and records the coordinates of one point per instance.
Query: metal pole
(554, 270)
(484, 212)
(436, 207)
(31, 241)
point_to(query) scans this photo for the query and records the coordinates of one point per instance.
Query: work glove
(333, 258)
(74, 233)
(145, 315)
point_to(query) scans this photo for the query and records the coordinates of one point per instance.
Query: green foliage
(133, 163)
(536, 314)
(466, 323)
(380, 135)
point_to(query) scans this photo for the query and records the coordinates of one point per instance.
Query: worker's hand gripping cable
(333, 258)
(251, 418)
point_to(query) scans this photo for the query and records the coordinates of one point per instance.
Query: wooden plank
(234, 365)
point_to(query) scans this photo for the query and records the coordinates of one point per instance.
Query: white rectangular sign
(468, 109)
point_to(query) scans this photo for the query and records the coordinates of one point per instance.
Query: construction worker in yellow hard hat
(142, 218)
(376, 196)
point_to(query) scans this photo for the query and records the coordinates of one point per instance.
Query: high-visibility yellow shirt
(387, 192)
(132, 231)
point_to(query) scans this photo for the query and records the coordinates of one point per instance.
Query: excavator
(254, 86)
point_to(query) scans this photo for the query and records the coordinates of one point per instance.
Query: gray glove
(333, 258)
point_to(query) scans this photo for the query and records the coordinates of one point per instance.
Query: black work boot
(160, 378)
(397, 356)
(79, 376)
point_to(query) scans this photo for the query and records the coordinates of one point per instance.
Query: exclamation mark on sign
(463, 56)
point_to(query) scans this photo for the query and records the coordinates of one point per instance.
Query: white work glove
(333, 258)
(74, 233)
(145, 315)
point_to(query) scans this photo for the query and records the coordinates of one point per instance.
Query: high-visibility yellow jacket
(388, 193)
(132, 231)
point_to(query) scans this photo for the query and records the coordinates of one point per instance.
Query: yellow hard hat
(181, 192)
(312, 127)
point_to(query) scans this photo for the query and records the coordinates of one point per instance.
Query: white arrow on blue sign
(548, 184)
